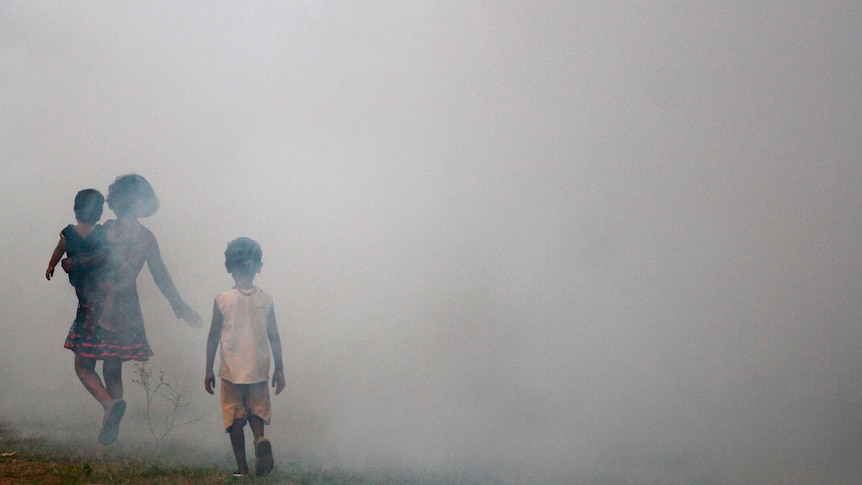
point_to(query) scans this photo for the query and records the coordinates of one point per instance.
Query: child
(119, 333)
(244, 323)
(84, 240)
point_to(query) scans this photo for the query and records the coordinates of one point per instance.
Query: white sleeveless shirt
(245, 351)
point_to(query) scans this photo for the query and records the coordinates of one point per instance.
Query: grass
(32, 460)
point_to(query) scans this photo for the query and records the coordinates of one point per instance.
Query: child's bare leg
(86, 370)
(113, 372)
(237, 441)
(256, 425)
(263, 461)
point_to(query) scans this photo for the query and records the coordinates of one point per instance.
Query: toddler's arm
(55, 257)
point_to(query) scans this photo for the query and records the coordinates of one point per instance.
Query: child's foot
(263, 461)
(111, 423)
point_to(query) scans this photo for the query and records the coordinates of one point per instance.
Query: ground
(37, 460)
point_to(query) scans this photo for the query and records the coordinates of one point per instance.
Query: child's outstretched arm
(55, 257)
(275, 345)
(166, 286)
(212, 345)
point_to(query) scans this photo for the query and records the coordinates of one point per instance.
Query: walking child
(118, 333)
(243, 323)
(84, 240)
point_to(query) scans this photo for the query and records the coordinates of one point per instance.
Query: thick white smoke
(550, 241)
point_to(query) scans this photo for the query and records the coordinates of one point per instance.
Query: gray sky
(567, 239)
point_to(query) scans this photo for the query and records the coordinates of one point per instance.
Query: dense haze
(549, 241)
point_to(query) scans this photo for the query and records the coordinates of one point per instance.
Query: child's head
(243, 257)
(132, 196)
(88, 206)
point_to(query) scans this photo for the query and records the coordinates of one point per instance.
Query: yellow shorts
(239, 401)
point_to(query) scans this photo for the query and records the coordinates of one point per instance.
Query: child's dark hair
(131, 195)
(243, 256)
(88, 206)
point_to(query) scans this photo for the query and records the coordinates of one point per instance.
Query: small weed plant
(161, 419)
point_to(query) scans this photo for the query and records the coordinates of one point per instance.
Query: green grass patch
(29, 460)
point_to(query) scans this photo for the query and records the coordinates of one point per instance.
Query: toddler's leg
(107, 315)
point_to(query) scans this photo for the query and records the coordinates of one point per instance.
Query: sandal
(111, 424)
(263, 461)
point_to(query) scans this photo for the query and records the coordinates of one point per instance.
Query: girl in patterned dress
(119, 330)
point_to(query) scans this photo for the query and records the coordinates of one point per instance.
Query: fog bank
(551, 242)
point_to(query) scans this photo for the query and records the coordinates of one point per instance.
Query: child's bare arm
(166, 286)
(55, 257)
(212, 345)
(275, 345)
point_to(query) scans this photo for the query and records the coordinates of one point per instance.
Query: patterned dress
(119, 330)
